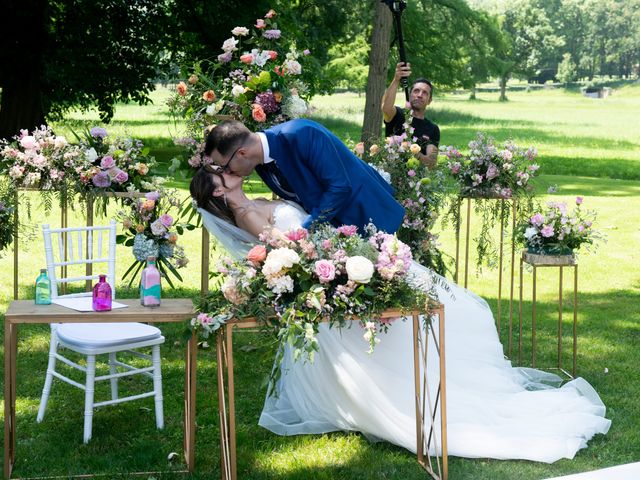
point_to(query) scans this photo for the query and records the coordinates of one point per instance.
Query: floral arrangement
(7, 209)
(35, 159)
(253, 80)
(420, 190)
(152, 231)
(102, 164)
(297, 278)
(556, 231)
(490, 171)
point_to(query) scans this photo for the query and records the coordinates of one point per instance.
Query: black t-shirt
(422, 128)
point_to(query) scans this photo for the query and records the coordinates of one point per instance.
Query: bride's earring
(224, 198)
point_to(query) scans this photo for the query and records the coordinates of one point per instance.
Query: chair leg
(51, 367)
(88, 397)
(157, 386)
(113, 371)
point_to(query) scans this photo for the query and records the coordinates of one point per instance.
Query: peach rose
(182, 89)
(258, 113)
(270, 14)
(359, 149)
(415, 148)
(277, 96)
(257, 254)
(209, 96)
(373, 149)
(193, 79)
(139, 228)
(142, 168)
(246, 58)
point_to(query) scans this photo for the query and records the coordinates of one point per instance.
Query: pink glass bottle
(102, 295)
(150, 285)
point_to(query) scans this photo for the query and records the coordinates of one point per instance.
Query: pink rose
(260, 23)
(347, 230)
(359, 149)
(579, 200)
(107, 162)
(166, 220)
(547, 231)
(257, 254)
(325, 270)
(246, 58)
(28, 142)
(306, 51)
(182, 89)
(537, 219)
(152, 196)
(295, 235)
(270, 14)
(121, 177)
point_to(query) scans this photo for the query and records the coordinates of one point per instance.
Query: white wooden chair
(96, 246)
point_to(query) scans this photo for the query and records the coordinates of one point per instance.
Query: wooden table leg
(560, 318)
(575, 318)
(443, 399)
(533, 321)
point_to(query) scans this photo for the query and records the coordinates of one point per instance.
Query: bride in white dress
(493, 409)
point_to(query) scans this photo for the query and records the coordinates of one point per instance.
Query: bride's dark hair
(202, 187)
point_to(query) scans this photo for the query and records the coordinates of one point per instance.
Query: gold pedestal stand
(467, 238)
(428, 404)
(561, 262)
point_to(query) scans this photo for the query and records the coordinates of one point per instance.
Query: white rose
(211, 109)
(530, 232)
(293, 67)
(91, 155)
(240, 31)
(60, 142)
(278, 259)
(359, 269)
(237, 90)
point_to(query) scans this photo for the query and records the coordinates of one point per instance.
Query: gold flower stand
(544, 261)
(428, 404)
(467, 238)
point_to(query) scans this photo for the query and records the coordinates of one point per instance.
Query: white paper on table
(82, 304)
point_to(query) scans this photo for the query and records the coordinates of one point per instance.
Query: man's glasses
(222, 168)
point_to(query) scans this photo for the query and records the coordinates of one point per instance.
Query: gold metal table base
(467, 239)
(428, 403)
(561, 262)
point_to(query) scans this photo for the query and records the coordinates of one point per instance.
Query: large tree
(60, 54)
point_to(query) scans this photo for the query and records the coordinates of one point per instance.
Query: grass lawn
(587, 147)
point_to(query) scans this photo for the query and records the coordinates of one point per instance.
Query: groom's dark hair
(225, 137)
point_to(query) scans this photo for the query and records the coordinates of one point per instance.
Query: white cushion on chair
(105, 334)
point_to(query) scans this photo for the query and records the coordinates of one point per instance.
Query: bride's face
(231, 183)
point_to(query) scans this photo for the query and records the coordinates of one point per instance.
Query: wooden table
(25, 311)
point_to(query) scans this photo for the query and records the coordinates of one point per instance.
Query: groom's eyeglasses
(223, 168)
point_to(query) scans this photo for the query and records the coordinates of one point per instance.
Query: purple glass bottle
(102, 295)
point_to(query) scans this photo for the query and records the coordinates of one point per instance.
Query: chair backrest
(76, 246)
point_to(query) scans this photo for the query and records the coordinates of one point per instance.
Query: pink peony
(325, 270)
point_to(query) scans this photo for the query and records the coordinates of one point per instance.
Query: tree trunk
(377, 78)
(21, 106)
(472, 95)
(503, 87)
(22, 50)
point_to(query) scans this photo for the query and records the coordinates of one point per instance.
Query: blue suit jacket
(332, 184)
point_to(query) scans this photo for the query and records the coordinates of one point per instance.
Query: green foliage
(567, 70)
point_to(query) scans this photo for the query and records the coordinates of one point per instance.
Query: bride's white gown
(493, 409)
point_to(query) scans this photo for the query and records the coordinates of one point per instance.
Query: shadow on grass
(579, 186)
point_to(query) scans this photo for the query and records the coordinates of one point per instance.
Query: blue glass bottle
(43, 288)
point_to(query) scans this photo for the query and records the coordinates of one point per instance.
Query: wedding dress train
(494, 410)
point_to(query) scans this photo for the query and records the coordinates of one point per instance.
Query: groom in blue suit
(301, 160)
